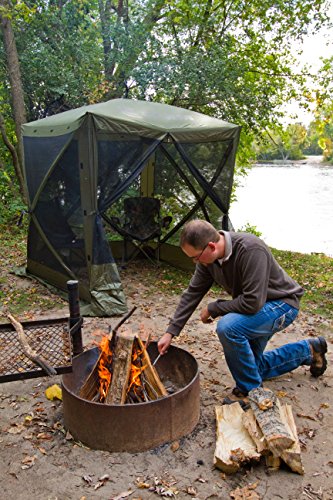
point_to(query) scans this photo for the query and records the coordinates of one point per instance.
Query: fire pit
(134, 427)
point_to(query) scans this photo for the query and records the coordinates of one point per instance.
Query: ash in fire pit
(134, 427)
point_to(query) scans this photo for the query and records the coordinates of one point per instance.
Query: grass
(314, 272)
(23, 297)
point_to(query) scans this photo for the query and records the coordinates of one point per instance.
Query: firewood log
(121, 367)
(90, 387)
(292, 455)
(276, 433)
(252, 427)
(234, 445)
(155, 387)
(272, 462)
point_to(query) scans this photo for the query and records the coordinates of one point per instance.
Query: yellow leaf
(175, 446)
(53, 392)
(28, 419)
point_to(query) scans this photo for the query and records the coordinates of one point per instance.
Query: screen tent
(79, 167)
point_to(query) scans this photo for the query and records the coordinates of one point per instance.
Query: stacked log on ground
(292, 456)
(234, 445)
(267, 413)
(266, 429)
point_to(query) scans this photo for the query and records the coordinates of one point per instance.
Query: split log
(276, 433)
(234, 445)
(154, 386)
(292, 455)
(90, 388)
(252, 427)
(273, 462)
(121, 367)
(264, 398)
(27, 349)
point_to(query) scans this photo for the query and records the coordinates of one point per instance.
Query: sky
(313, 47)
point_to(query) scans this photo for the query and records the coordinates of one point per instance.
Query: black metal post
(75, 316)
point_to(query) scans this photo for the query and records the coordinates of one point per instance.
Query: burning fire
(135, 391)
(135, 383)
(104, 368)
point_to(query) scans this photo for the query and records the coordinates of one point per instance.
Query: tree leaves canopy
(226, 58)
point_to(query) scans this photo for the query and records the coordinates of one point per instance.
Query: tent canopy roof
(141, 117)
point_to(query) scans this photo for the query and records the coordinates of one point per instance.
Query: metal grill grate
(49, 338)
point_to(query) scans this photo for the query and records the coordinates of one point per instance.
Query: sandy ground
(40, 460)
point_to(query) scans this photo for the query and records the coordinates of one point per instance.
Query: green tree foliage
(227, 59)
(283, 143)
(60, 55)
(313, 140)
(323, 123)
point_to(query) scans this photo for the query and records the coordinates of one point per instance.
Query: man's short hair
(198, 233)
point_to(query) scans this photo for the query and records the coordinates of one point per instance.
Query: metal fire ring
(134, 427)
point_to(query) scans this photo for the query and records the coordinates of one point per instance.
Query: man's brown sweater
(248, 272)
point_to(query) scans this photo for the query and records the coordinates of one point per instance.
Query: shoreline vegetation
(313, 159)
(26, 298)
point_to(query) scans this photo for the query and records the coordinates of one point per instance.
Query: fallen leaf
(44, 435)
(301, 415)
(105, 477)
(54, 392)
(191, 491)
(99, 485)
(165, 492)
(28, 419)
(28, 436)
(142, 485)
(245, 493)
(175, 446)
(87, 479)
(124, 494)
(281, 394)
(16, 429)
(68, 436)
(28, 462)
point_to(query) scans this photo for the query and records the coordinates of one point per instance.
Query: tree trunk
(13, 152)
(16, 88)
(117, 75)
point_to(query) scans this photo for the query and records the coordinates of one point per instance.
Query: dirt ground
(40, 460)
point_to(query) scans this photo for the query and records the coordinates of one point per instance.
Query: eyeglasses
(196, 258)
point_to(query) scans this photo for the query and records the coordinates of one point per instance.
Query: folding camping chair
(142, 223)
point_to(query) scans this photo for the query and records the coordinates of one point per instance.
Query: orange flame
(135, 382)
(103, 367)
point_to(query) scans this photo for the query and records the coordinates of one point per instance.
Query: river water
(291, 205)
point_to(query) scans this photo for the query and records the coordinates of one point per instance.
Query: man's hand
(164, 343)
(205, 316)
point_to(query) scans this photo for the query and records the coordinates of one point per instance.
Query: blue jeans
(245, 336)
